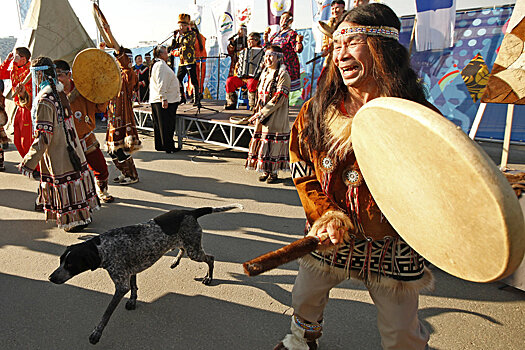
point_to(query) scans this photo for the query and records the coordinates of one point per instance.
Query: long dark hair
(391, 71)
(50, 75)
(275, 77)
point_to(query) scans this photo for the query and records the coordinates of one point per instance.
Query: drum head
(96, 75)
(439, 189)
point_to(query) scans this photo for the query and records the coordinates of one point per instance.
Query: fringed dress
(122, 128)
(68, 196)
(268, 150)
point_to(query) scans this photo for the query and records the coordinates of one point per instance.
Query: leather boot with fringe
(130, 173)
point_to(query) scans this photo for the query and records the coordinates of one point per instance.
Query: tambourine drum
(96, 75)
(439, 189)
(103, 28)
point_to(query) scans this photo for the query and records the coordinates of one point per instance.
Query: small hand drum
(439, 189)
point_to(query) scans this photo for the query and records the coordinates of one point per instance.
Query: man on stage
(234, 82)
(184, 42)
(84, 116)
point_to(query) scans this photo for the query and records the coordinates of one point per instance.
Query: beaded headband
(387, 32)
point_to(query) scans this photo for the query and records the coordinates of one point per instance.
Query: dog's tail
(197, 213)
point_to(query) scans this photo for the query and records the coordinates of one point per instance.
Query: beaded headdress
(387, 32)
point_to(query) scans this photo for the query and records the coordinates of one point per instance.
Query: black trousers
(164, 122)
(190, 69)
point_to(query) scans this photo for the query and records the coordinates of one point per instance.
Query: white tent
(52, 29)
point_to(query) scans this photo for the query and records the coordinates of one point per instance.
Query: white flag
(224, 23)
(435, 20)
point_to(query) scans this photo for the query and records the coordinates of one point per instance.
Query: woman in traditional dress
(268, 150)
(67, 187)
(291, 43)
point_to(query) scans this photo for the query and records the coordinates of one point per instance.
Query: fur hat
(184, 18)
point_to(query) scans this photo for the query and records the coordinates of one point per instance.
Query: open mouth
(350, 68)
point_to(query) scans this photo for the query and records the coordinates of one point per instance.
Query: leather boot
(130, 172)
(231, 101)
(252, 99)
(102, 192)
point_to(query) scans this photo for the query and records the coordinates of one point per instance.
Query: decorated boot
(102, 192)
(304, 336)
(231, 101)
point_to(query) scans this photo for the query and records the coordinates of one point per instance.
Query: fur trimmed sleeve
(315, 202)
(45, 124)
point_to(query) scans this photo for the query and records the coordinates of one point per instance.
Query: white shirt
(163, 84)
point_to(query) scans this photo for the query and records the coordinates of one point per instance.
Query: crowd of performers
(365, 61)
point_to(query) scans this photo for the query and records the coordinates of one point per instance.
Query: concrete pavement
(176, 311)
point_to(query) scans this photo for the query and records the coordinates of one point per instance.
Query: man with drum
(84, 112)
(235, 81)
(356, 239)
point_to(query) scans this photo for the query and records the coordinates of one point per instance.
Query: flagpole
(412, 36)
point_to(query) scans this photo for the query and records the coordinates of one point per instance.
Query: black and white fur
(126, 251)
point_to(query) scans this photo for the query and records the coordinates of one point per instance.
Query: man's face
(138, 60)
(353, 58)
(163, 54)
(19, 60)
(337, 10)
(285, 21)
(63, 76)
(184, 27)
(148, 58)
(252, 42)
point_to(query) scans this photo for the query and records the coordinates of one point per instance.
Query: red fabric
(9, 70)
(23, 130)
(233, 83)
(97, 164)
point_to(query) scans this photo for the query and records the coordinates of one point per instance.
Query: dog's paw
(206, 280)
(174, 265)
(95, 336)
(131, 304)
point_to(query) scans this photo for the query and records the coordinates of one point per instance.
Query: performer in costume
(84, 112)
(122, 136)
(3, 121)
(184, 41)
(368, 62)
(268, 149)
(142, 71)
(16, 67)
(4, 140)
(234, 82)
(236, 44)
(67, 186)
(337, 10)
(291, 43)
(200, 61)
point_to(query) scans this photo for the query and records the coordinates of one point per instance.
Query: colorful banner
(243, 10)
(276, 8)
(224, 23)
(435, 24)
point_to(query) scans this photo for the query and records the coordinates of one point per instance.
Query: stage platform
(211, 124)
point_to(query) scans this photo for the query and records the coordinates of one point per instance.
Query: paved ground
(176, 311)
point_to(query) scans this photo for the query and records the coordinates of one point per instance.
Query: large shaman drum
(96, 75)
(439, 189)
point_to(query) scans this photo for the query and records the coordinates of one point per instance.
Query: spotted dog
(126, 251)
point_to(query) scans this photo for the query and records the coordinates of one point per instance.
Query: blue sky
(145, 20)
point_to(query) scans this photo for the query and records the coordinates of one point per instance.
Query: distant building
(6, 45)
